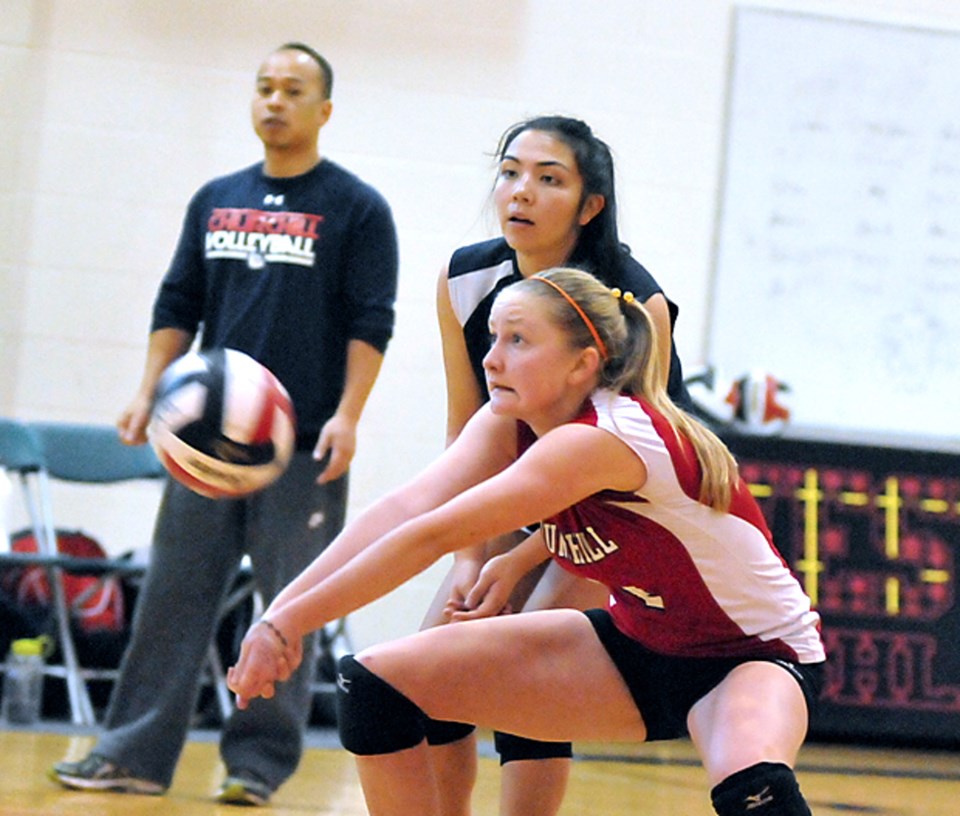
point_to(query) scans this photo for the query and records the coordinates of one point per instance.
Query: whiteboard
(837, 259)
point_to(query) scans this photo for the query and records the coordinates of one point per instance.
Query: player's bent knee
(372, 716)
(766, 788)
(442, 732)
(511, 748)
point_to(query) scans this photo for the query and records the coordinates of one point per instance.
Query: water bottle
(23, 681)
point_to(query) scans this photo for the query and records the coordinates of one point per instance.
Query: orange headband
(601, 347)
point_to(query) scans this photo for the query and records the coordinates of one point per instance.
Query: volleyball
(222, 424)
(759, 401)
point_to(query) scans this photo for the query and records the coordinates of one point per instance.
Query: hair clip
(615, 292)
(628, 297)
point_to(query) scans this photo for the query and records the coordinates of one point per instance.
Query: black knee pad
(372, 716)
(764, 788)
(511, 747)
(442, 732)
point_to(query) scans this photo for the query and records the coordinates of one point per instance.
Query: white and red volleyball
(222, 423)
(759, 401)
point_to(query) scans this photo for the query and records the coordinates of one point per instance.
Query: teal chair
(33, 454)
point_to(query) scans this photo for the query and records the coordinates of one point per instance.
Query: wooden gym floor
(614, 780)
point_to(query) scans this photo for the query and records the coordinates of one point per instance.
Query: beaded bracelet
(275, 631)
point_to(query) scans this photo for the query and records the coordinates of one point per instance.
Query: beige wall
(112, 112)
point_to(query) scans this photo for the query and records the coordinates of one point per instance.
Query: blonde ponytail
(622, 330)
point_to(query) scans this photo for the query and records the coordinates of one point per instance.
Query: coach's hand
(338, 441)
(132, 423)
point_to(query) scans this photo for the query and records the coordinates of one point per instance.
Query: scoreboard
(873, 534)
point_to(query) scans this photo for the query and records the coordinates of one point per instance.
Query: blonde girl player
(705, 630)
(555, 201)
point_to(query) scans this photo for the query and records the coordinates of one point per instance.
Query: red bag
(95, 601)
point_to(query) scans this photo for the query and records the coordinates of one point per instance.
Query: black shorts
(665, 688)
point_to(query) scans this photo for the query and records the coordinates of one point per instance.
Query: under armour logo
(343, 684)
(269, 198)
(758, 799)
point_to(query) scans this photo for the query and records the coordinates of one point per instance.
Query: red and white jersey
(685, 579)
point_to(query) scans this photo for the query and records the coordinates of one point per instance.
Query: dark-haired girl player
(555, 200)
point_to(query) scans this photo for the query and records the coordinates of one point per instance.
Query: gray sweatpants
(197, 548)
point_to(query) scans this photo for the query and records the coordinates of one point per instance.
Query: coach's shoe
(97, 773)
(243, 789)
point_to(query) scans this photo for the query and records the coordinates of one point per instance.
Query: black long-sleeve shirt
(288, 270)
